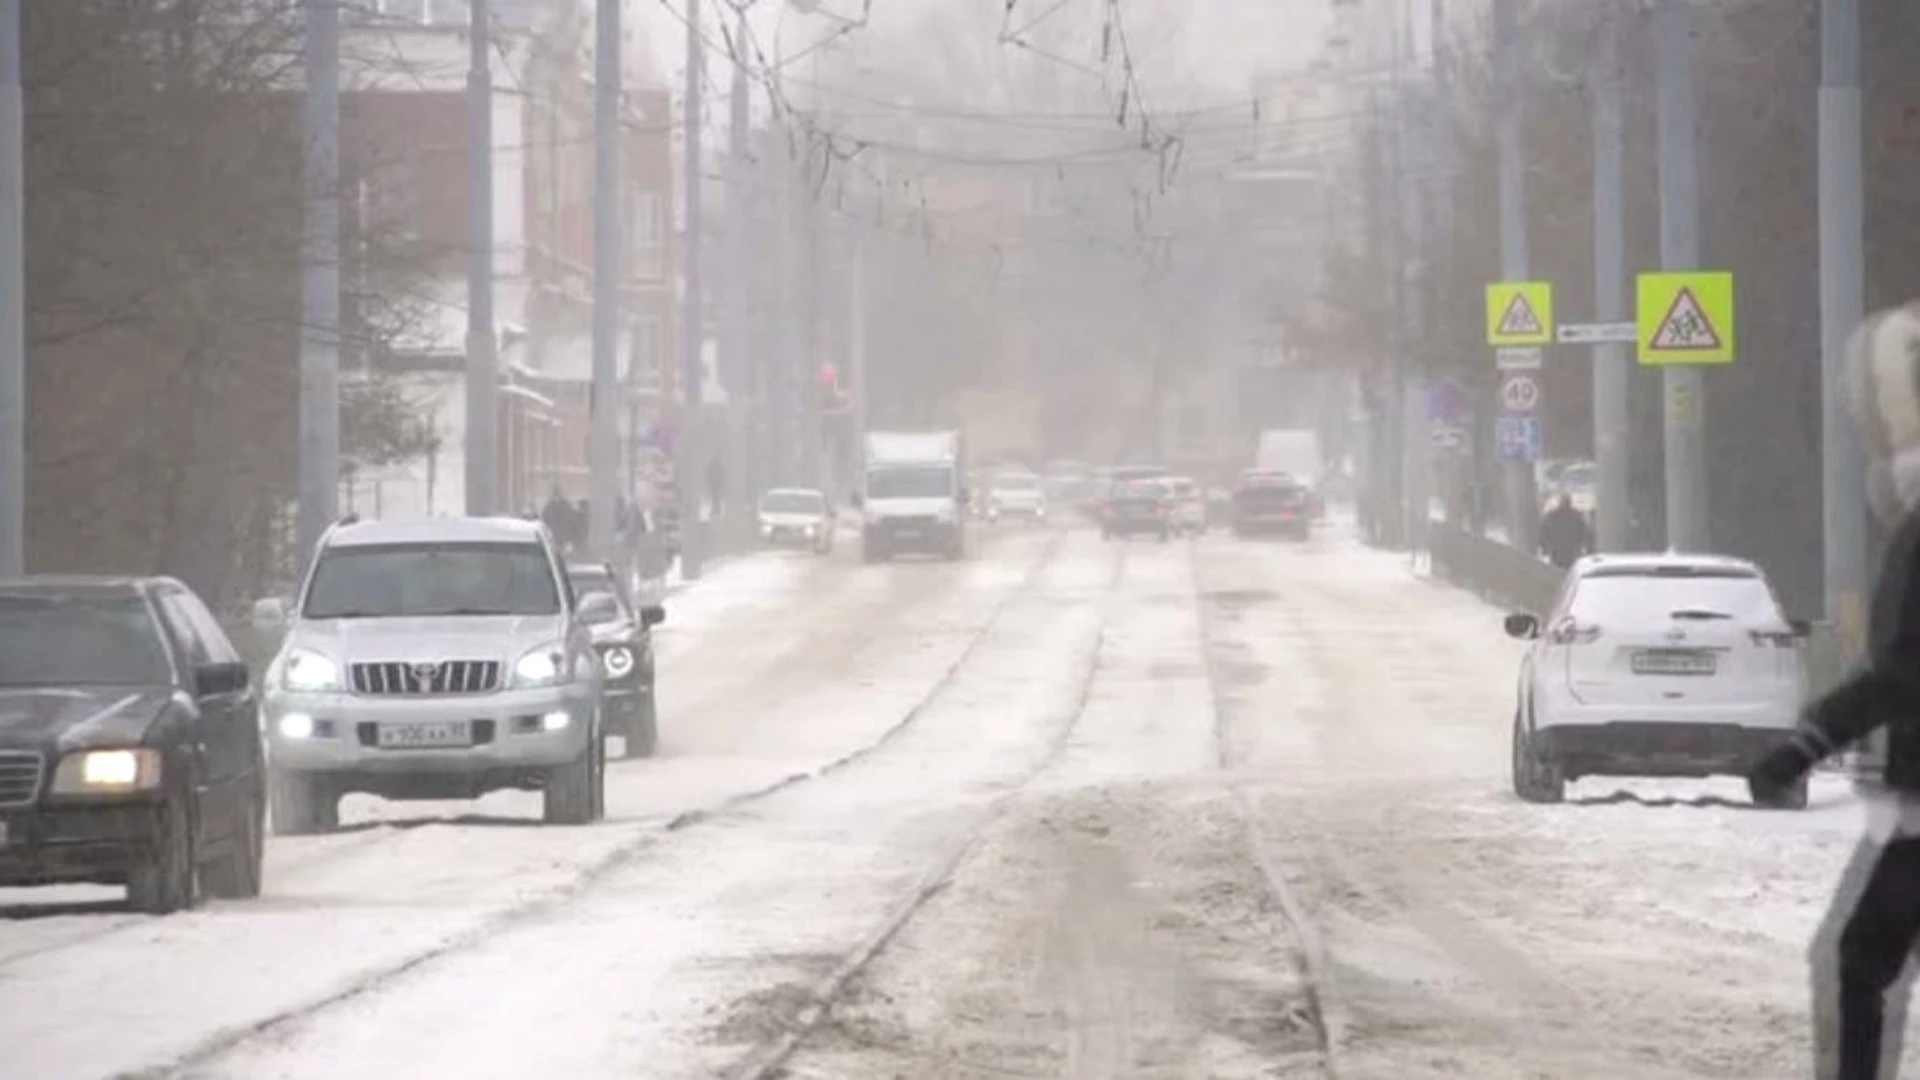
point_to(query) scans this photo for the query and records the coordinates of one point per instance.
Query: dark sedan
(1272, 502)
(130, 749)
(625, 644)
(1136, 507)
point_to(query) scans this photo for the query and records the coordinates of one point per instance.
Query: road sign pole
(1522, 497)
(1680, 250)
(1842, 305)
(1611, 427)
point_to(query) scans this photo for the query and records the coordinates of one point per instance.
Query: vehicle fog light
(556, 720)
(296, 726)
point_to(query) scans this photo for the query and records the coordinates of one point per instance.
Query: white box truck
(912, 495)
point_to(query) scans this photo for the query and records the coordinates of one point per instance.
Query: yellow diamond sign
(1685, 317)
(1519, 313)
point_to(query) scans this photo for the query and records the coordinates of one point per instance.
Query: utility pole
(13, 288)
(688, 475)
(608, 237)
(1523, 500)
(1842, 307)
(745, 408)
(1611, 433)
(483, 362)
(319, 425)
(1673, 28)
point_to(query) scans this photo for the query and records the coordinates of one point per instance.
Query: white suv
(1654, 665)
(436, 659)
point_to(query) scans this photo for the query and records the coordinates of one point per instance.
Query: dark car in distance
(1136, 507)
(1268, 503)
(130, 747)
(625, 645)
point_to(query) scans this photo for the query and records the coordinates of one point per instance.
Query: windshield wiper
(1698, 613)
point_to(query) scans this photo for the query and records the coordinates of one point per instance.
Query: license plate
(1672, 662)
(410, 736)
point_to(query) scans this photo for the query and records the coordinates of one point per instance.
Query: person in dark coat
(1564, 536)
(1864, 944)
(557, 515)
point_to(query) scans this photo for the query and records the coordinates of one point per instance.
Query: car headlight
(811, 530)
(539, 667)
(306, 670)
(107, 772)
(618, 661)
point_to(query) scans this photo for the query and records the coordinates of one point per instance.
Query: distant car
(436, 659)
(796, 518)
(1134, 508)
(1186, 505)
(1268, 502)
(624, 639)
(1654, 665)
(1016, 496)
(130, 750)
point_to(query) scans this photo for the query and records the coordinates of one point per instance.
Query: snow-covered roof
(471, 530)
(1656, 560)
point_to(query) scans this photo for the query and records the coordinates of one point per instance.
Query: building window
(647, 254)
(647, 353)
(404, 10)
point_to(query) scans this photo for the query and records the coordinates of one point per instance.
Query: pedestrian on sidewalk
(1861, 952)
(1564, 534)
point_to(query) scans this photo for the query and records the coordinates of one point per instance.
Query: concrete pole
(1674, 24)
(1842, 306)
(483, 361)
(608, 237)
(1523, 500)
(746, 411)
(319, 425)
(689, 475)
(1611, 433)
(13, 334)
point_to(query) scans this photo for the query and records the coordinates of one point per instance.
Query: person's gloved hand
(1782, 767)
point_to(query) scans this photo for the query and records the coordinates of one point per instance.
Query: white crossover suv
(436, 659)
(1654, 665)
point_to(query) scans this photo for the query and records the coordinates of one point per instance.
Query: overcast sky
(1219, 44)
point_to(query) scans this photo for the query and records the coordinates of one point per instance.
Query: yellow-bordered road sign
(1685, 317)
(1520, 313)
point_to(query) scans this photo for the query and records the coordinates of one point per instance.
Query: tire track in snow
(211, 1051)
(1306, 948)
(768, 1060)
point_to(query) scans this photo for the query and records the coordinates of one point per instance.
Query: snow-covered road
(1068, 809)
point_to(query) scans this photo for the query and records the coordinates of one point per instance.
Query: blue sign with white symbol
(1518, 438)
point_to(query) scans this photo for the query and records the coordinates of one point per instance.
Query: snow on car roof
(1649, 562)
(460, 530)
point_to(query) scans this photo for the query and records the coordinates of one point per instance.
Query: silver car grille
(19, 778)
(418, 678)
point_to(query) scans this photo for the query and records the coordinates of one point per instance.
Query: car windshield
(1657, 596)
(64, 640)
(792, 502)
(910, 482)
(401, 580)
(1017, 483)
(1580, 477)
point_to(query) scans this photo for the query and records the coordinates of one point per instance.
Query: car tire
(574, 791)
(167, 880)
(237, 875)
(301, 804)
(1794, 798)
(1534, 781)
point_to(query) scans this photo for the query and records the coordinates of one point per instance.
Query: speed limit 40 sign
(1519, 392)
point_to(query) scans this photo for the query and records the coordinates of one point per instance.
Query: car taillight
(1569, 633)
(1779, 639)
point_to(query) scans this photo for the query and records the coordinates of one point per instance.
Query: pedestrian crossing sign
(1685, 318)
(1519, 313)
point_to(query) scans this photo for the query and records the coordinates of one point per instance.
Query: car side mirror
(598, 608)
(652, 615)
(269, 613)
(1522, 627)
(210, 680)
(1800, 627)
